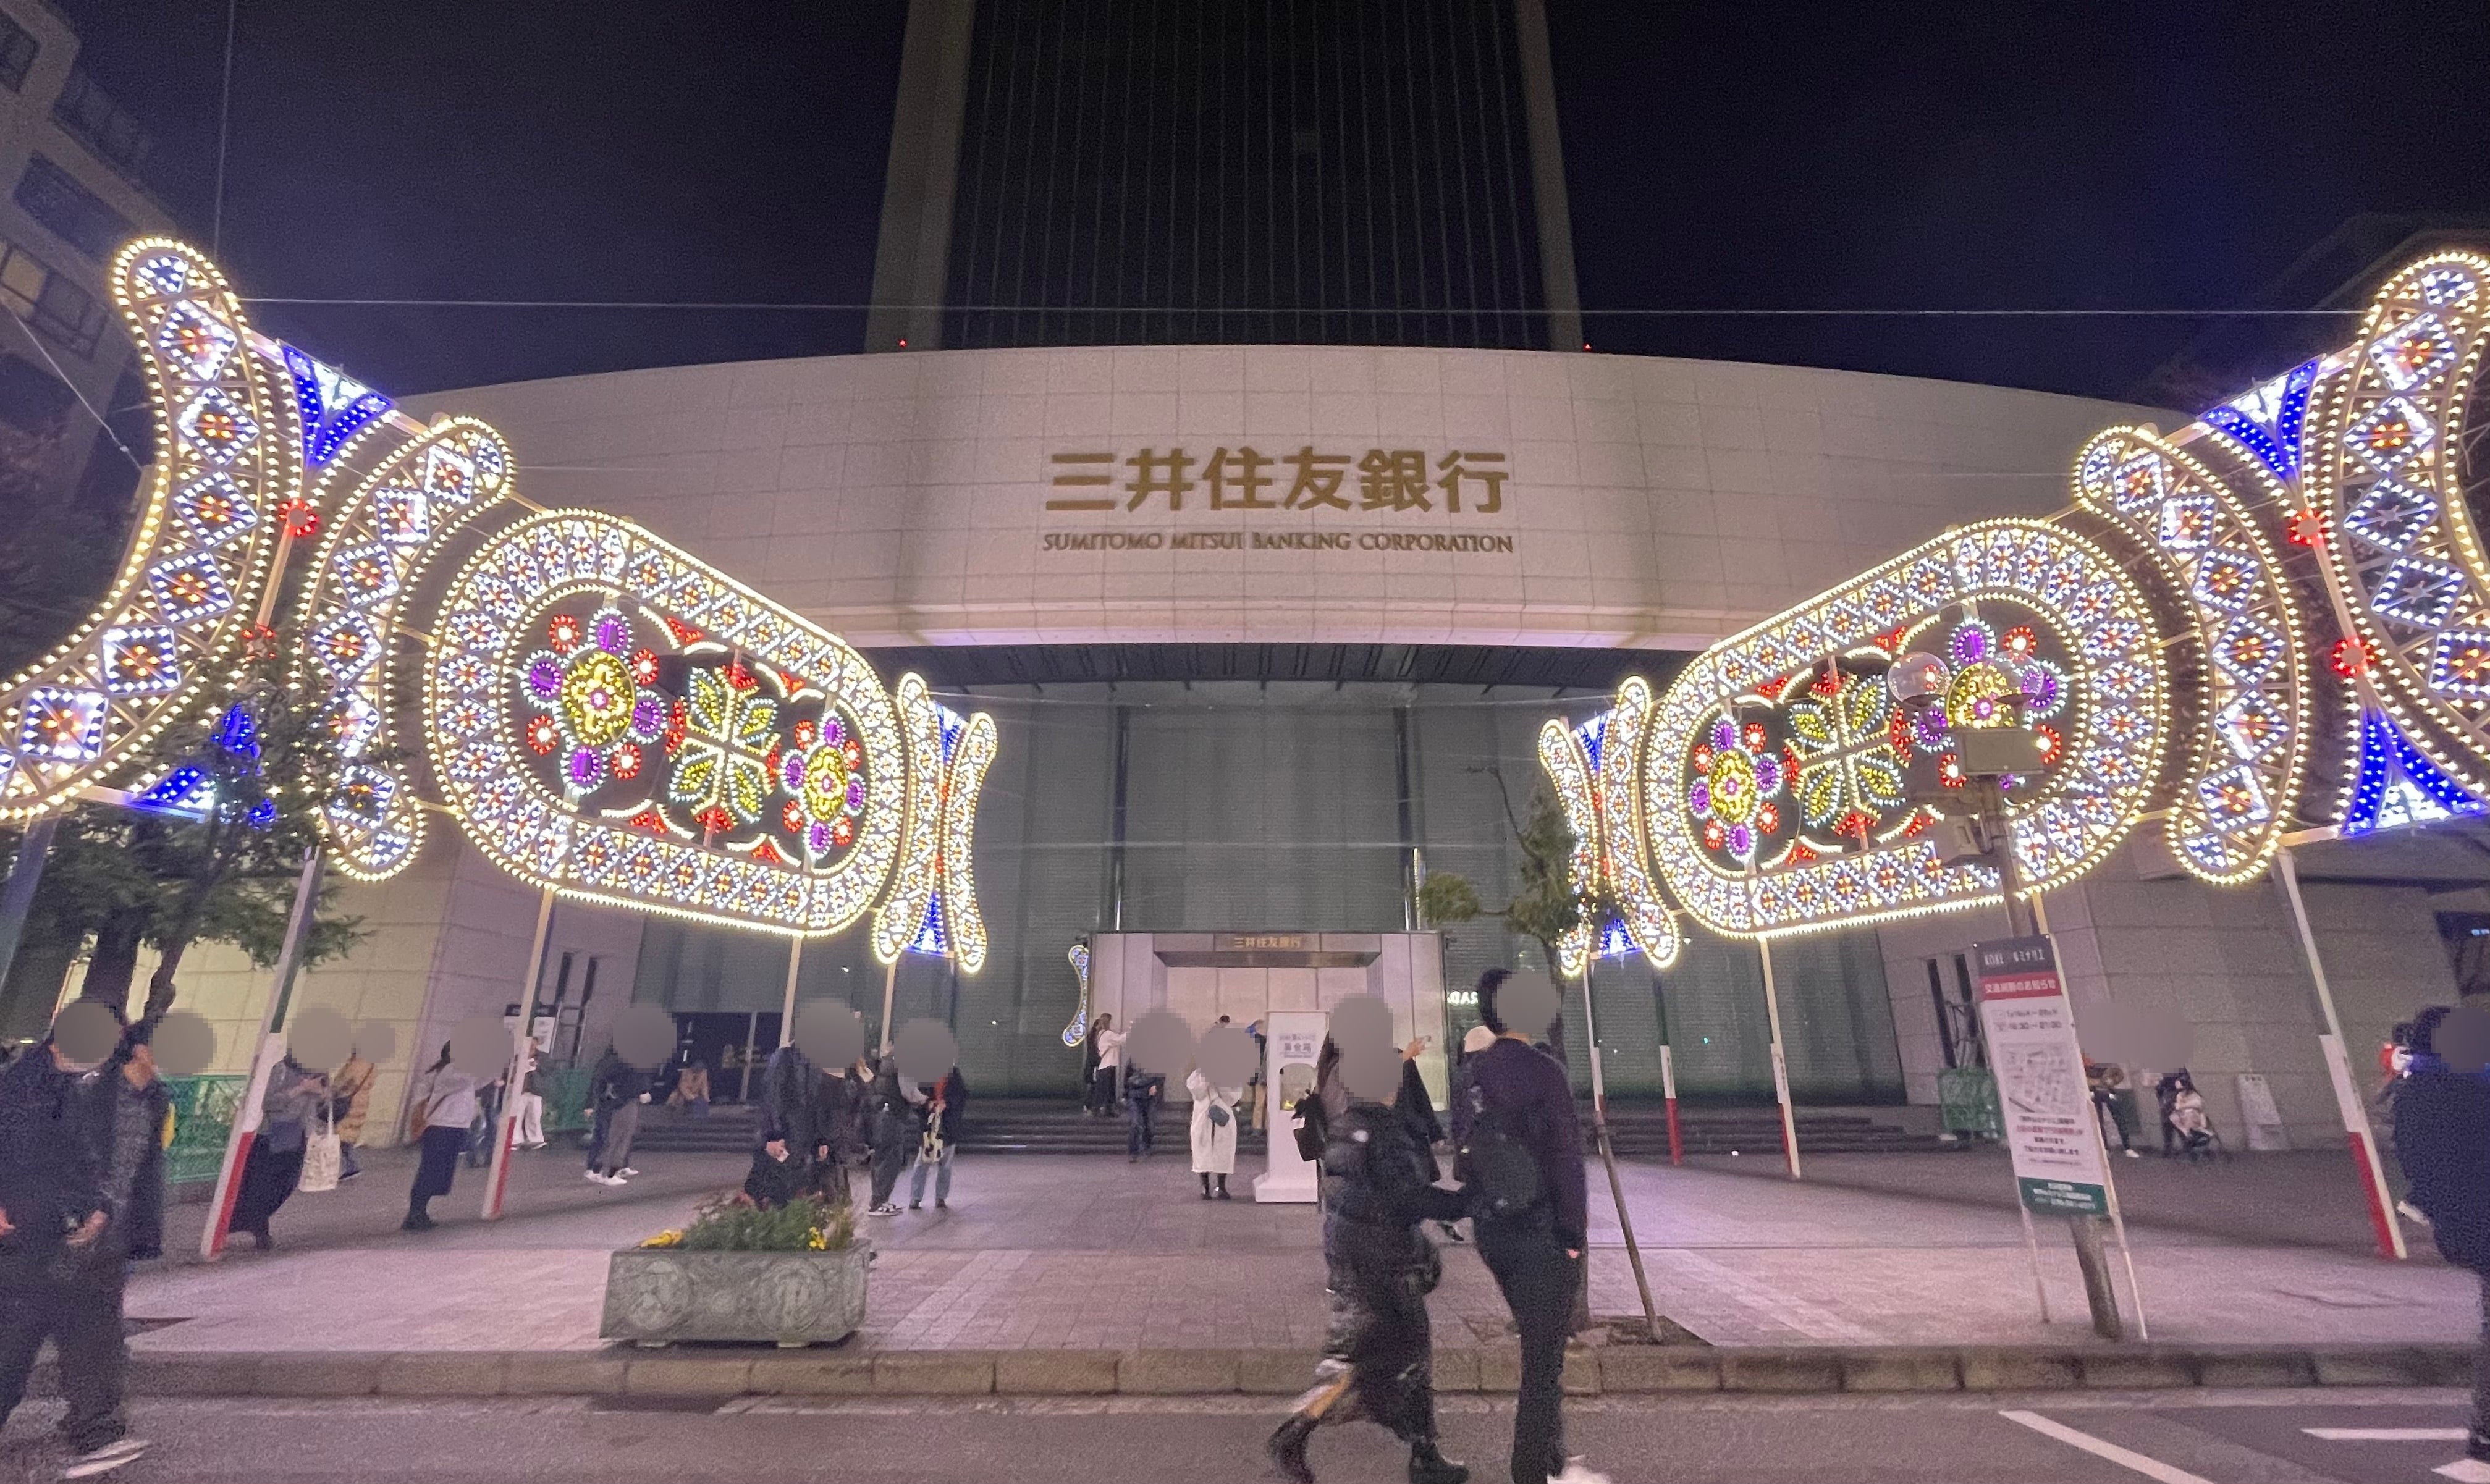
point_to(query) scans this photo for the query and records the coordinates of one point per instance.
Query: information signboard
(2030, 1027)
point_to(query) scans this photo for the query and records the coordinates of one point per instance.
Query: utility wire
(47, 351)
(224, 120)
(861, 307)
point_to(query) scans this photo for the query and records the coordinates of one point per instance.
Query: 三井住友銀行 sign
(1243, 478)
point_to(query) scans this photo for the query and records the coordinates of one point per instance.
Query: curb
(1616, 1371)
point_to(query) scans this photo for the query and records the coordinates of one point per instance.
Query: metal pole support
(514, 1074)
(270, 1050)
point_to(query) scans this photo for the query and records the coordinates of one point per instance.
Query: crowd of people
(822, 1128)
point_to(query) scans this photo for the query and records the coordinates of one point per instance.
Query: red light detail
(563, 630)
(2020, 642)
(807, 731)
(627, 760)
(543, 736)
(2053, 746)
(854, 752)
(1949, 770)
(1768, 818)
(679, 724)
(643, 666)
(1771, 689)
(1827, 682)
(715, 819)
(1800, 853)
(741, 678)
(2306, 528)
(649, 819)
(1703, 758)
(791, 817)
(903, 342)
(301, 519)
(1918, 825)
(843, 831)
(1890, 641)
(767, 852)
(2353, 656)
(1715, 834)
(1755, 736)
(683, 632)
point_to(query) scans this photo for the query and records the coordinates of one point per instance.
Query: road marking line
(2125, 1458)
(2386, 1434)
(2465, 1470)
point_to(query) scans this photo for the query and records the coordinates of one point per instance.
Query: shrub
(734, 1224)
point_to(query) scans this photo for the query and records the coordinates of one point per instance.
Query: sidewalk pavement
(1044, 1264)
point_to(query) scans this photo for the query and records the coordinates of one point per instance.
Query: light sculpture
(2275, 620)
(606, 717)
(163, 644)
(1597, 771)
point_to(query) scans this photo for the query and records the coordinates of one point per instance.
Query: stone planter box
(657, 1295)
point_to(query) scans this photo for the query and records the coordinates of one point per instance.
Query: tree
(255, 772)
(1547, 905)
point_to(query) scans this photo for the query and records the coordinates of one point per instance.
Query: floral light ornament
(1740, 776)
(595, 713)
(725, 729)
(823, 774)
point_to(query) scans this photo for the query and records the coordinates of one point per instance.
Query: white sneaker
(593, 1175)
(2130, 1154)
(885, 1209)
(627, 1172)
(2411, 1213)
(1579, 1472)
(104, 1460)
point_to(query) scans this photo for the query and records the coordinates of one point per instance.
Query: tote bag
(322, 1158)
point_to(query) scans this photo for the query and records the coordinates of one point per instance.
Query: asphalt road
(2234, 1437)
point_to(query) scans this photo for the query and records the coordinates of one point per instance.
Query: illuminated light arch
(1568, 765)
(971, 745)
(167, 635)
(2252, 713)
(2382, 463)
(1076, 1029)
(933, 903)
(2068, 597)
(568, 815)
(1596, 770)
(380, 541)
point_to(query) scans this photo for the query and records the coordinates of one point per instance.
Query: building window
(82, 219)
(48, 300)
(89, 113)
(17, 48)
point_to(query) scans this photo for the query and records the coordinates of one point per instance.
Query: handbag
(322, 1158)
(1219, 1116)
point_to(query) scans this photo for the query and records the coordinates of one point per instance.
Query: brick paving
(1084, 1253)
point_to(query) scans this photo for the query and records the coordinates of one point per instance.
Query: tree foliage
(129, 879)
(1547, 905)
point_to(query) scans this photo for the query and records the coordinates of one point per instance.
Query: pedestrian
(1104, 1088)
(1214, 1131)
(600, 1114)
(2107, 1081)
(533, 1084)
(691, 1088)
(350, 1103)
(794, 1129)
(2189, 1121)
(939, 1129)
(1089, 1069)
(621, 1094)
(1520, 1138)
(891, 1104)
(1142, 1089)
(275, 1166)
(2442, 1141)
(444, 1104)
(75, 1203)
(1378, 1355)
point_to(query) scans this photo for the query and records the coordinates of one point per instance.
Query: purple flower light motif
(1931, 727)
(834, 731)
(819, 837)
(2041, 689)
(792, 770)
(1742, 840)
(855, 794)
(1725, 735)
(1971, 643)
(612, 632)
(545, 676)
(1698, 799)
(1768, 774)
(648, 717)
(584, 767)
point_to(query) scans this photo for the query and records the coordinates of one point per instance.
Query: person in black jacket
(1534, 1249)
(77, 1150)
(795, 1152)
(2443, 1140)
(619, 1090)
(890, 1127)
(1377, 1359)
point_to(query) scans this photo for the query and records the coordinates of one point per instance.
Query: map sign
(2030, 1027)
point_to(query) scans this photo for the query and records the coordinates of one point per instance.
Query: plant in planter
(792, 1274)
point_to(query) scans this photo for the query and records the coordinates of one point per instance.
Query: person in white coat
(1214, 1132)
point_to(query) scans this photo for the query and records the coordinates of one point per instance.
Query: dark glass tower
(1068, 172)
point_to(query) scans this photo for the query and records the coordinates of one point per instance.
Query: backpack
(1503, 1176)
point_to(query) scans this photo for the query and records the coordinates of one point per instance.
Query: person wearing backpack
(2443, 1140)
(1378, 1355)
(1521, 1160)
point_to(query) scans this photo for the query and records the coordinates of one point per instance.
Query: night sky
(1720, 156)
